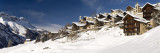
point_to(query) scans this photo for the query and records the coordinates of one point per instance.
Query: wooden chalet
(109, 17)
(78, 26)
(90, 24)
(134, 25)
(98, 23)
(101, 16)
(116, 18)
(147, 10)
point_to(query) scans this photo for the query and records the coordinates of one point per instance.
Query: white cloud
(34, 14)
(50, 27)
(90, 3)
(100, 9)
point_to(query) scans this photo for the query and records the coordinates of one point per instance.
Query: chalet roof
(157, 6)
(89, 21)
(79, 24)
(115, 16)
(137, 18)
(103, 14)
(148, 4)
(117, 10)
(112, 15)
(121, 15)
(69, 27)
(130, 6)
(140, 13)
(102, 20)
(120, 22)
(87, 16)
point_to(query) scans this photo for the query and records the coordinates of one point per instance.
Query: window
(125, 26)
(136, 29)
(131, 21)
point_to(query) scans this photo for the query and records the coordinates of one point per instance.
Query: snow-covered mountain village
(134, 30)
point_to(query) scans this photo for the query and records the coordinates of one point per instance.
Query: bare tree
(9, 43)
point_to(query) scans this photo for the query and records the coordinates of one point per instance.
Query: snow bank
(147, 43)
(90, 41)
(106, 40)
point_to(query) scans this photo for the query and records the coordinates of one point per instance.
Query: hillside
(15, 30)
(106, 40)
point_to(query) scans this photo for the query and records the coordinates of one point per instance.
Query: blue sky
(61, 12)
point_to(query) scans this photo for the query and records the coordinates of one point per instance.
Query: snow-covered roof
(149, 4)
(79, 24)
(120, 22)
(90, 21)
(87, 16)
(137, 18)
(115, 16)
(117, 10)
(121, 15)
(102, 20)
(103, 14)
(69, 27)
(157, 6)
(140, 13)
(112, 15)
(94, 17)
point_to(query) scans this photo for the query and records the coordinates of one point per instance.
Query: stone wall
(143, 28)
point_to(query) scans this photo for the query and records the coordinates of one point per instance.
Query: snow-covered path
(106, 40)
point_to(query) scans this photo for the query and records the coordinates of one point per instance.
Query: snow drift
(147, 43)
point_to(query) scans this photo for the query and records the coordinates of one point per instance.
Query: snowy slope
(147, 43)
(106, 40)
(88, 42)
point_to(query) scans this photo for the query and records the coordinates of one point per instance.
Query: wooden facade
(131, 26)
(134, 25)
(109, 17)
(98, 23)
(147, 10)
(90, 25)
(74, 27)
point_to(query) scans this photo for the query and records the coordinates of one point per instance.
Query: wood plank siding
(131, 26)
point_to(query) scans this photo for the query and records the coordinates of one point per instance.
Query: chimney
(79, 18)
